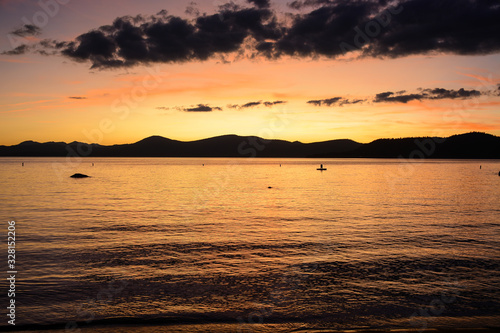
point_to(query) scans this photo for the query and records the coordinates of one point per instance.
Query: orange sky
(51, 98)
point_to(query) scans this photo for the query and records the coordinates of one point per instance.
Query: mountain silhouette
(473, 145)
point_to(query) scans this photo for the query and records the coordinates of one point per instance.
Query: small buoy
(92, 164)
(23, 164)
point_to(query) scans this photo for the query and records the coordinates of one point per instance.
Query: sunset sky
(112, 71)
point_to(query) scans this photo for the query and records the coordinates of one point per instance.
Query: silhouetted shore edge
(473, 145)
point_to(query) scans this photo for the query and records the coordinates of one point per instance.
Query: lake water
(206, 245)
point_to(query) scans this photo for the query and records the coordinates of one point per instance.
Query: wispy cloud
(21, 49)
(269, 104)
(430, 94)
(253, 104)
(404, 97)
(27, 30)
(260, 3)
(202, 108)
(193, 108)
(335, 101)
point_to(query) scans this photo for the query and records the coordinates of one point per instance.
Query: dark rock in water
(79, 175)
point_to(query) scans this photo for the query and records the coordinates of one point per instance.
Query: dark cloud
(351, 101)
(269, 104)
(402, 97)
(437, 93)
(202, 108)
(244, 106)
(335, 101)
(307, 3)
(21, 49)
(295, 5)
(260, 3)
(322, 31)
(329, 28)
(197, 108)
(208, 108)
(27, 30)
(192, 9)
(252, 104)
(379, 28)
(48, 47)
(447, 26)
(161, 38)
(77, 97)
(441, 93)
(392, 97)
(162, 13)
(52, 44)
(327, 102)
(95, 46)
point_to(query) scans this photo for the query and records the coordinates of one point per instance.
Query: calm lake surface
(369, 243)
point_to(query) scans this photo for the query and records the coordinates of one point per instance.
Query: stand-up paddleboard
(321, 168)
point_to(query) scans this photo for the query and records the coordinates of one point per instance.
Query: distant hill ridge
(474, 145)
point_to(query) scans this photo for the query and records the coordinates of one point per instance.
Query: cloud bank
(193, 108)
(404, 97)
(27, 30)
(367, 28)
(335, 101)
(207, 108)
(252, 104)
(436, 93)
(202, 108)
